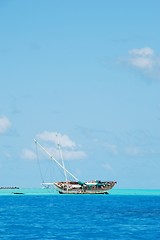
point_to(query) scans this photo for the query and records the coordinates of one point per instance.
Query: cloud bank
(56, 142)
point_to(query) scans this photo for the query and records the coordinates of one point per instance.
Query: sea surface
(41, 214)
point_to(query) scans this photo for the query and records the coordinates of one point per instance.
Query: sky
(84, 76)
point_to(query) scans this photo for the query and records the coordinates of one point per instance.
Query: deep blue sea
(80, 217)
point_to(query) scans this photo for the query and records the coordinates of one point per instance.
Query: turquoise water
(135, 192)
(46, 216)
(40, 191)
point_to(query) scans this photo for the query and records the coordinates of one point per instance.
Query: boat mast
(61, 156)
(51, 156)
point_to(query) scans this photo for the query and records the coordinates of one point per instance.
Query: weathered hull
(85, 188)
(77, 192)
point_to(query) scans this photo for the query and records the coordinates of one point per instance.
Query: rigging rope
(39, 166)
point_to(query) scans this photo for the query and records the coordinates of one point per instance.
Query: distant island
(9, 187)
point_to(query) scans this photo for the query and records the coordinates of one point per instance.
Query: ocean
(38, 214)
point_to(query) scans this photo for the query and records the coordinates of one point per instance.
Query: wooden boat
(91, 187)
(76, 186)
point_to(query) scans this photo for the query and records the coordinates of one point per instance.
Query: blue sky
(89, 71)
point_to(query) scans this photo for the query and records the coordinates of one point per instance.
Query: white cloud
(63, 140)
(4, 124)
(144, 60)
(143, 52)
(69, 149)
(142, 63)
(28, 154)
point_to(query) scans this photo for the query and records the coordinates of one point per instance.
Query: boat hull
(87, 192)
(93, 187)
